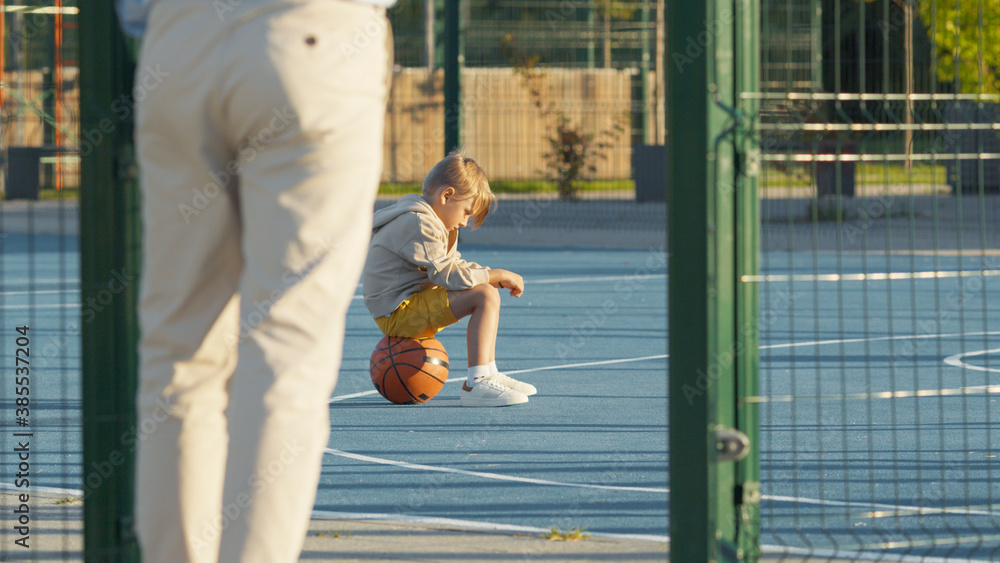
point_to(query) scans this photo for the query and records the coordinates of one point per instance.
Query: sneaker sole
(529, 393)
(491, 402)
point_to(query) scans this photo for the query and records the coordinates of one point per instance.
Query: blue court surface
(876, 419)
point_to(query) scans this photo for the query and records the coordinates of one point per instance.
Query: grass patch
(403, 188)
(72, 194)
(573, 534)
(332, 534)
(800, 175)
(69, 500)
(516, 187)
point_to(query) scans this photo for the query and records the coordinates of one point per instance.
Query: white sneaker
(511, 383)
(489, 393)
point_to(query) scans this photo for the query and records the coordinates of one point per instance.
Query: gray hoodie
(411, 251)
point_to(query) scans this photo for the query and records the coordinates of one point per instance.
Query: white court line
(466, 524)
(496, 476)
(39, 280)
(596, 279)
(35, 489)
(56, 306)
(956, 361)
(876, 339)
(870, 505)
(41, 292)
(583, 279)
(862, 555)
(529, 370)
(361, 296)
(778, 498)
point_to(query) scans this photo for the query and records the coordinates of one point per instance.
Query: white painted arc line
(467, 524)
(956, 360)
(776, 498)
(495, 476)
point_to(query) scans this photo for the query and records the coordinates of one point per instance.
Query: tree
(572, 152)
(967, 42)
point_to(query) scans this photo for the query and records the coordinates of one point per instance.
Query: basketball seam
(393, 342)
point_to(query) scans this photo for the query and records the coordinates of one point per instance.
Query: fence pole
(702, 301)
(747, 497)
(453, 59)
(108, 270)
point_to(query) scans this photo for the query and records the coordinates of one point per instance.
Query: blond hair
(467, 178)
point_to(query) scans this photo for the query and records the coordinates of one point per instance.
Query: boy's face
(453, 212)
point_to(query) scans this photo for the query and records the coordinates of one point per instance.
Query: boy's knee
(491, 294)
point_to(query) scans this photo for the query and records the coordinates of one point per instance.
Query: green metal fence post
(702, 284)
(747, 495)
(108, 267)
(647, 116)
(453, 60)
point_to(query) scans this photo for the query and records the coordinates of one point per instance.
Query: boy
(416, 283)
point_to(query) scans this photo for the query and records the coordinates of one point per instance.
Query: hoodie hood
(409, 203)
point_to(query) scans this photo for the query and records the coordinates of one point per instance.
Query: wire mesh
(558, 100)
(880, 234)
(39, 281)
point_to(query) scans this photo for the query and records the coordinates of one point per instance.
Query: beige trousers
(260, 145)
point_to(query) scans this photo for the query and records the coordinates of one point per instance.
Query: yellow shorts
(420, 316)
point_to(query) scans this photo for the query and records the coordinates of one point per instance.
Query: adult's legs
(188, 304)
(312, 99)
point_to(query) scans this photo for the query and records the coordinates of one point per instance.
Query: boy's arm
(446, 269)
(507, 280)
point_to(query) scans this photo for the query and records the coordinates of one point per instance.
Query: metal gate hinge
(730, 444)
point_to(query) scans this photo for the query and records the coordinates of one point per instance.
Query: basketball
(408, 371)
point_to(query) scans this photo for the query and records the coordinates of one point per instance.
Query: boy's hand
(507, 280)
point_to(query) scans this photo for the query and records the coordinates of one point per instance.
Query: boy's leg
(306, 200)
(482, 305)
(188, 305)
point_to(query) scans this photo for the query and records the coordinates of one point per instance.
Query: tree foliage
(966, 35)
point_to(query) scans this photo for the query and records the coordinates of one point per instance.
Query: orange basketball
(409, 371)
